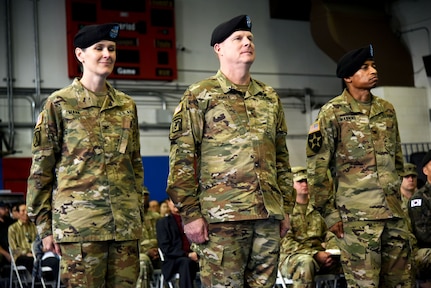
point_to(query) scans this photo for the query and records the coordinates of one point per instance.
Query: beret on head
(409, 169)
(426, 159)
(350, 62)
(299, 173)
(224, 30)
(90, 34)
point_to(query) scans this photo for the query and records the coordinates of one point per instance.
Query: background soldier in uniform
(149, 257)
(229, 166)
(85, 183)
(409, 184)
(419, 208)
(356, 137)
(302, 252)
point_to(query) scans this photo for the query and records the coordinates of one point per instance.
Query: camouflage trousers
(100, 264)
(240, 254)
(377, 253)
(423, 262)
(302, 268)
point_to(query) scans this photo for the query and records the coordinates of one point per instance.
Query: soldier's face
(366, 77)
(238, 48)
(301, 187)
(99, 58)
(427, 171)
(409, 182)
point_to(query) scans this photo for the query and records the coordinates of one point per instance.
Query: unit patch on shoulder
(315, 140)
(177, 125)
(36, 138)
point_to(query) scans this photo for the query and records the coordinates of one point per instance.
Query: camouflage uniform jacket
(307, 234)
(86, 177)
(420, 215)
(363, 153)
(234, 143)
(149, 236)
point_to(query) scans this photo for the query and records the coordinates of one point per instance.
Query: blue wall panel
(156, 169)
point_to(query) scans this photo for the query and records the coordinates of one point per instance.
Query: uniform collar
(86, 99)
(376, 106)
(226, 85)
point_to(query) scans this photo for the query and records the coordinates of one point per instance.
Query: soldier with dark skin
(356, 138)
(229, 166)
(85, 184)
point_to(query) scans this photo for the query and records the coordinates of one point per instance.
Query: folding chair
(326, 280)
(162, 280)
(39, 270)
(19, 271)
(157, 274)
(282, 281)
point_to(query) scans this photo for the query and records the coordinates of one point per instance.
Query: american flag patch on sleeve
(314, 127)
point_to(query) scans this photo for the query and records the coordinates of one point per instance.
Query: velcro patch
(416, 203)
(177, 125)
(314, 127)
(315, 141)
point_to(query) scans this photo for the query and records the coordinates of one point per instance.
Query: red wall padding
(15, 173)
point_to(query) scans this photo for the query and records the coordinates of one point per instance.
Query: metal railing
(412, 148)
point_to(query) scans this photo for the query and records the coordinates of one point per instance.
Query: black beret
(426, 159)
(224, 30)
(90, 34)
(350, 62)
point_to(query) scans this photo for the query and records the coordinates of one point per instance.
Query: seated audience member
(5, 222)
(149, 255)
(154, 206)
(308, 248)
(178, 257)
(21, 236)
(14, 211)
(164, 208)
(419, 209)
(409, 184)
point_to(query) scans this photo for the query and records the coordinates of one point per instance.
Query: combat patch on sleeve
(314, 140)
(36, 138)
(37, 133)
(177, 120)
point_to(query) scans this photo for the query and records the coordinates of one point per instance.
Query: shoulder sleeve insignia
(314, 140)
(36, 138)
(177, 125)
(314, 127)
